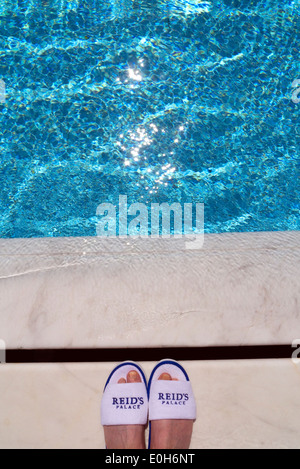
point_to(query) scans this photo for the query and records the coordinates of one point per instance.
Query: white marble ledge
(241, 404)
(238, 289)
(21, 256)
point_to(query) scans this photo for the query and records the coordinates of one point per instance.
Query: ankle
(171, 434)
(125, 437)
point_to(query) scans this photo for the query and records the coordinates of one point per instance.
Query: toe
(133, 377)
(165, 376)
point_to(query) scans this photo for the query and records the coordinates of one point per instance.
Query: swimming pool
(180, 101)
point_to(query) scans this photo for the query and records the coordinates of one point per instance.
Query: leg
(168, 433)
(125, 436)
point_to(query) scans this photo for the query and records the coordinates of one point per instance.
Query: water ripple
(187, 101)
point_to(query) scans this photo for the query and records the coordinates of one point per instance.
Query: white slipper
(171, 399)
(124, 404)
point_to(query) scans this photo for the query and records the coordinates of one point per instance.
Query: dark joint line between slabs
(148, 354)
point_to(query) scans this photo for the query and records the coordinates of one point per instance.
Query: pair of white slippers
(138, 403)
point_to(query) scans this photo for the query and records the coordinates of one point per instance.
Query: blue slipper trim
(126, 363)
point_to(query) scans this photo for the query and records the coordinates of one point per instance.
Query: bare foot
(171, 434)
(126, 436)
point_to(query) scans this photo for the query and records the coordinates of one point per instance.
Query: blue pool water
(162, 101)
